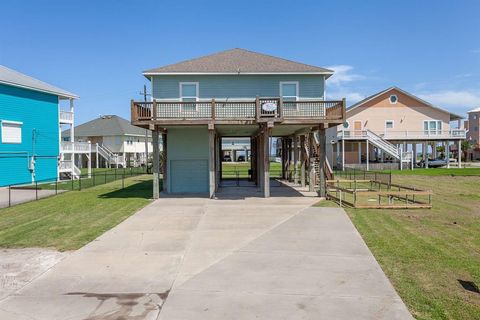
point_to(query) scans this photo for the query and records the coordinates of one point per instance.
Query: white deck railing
(78, 147)
(66, 117)
(409, 135)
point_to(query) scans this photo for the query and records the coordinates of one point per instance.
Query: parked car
(241, 158)
(227, 158)
(435, 163)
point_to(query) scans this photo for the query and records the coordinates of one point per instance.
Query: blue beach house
(237, 93)
(30, 124)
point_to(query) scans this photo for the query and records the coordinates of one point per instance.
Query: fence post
(72, 184)
(36, 190)
(115, 174)
(105, 176)
(9, 196)
(56, 186)
(80, 183)
(123, 181)
(93, 177)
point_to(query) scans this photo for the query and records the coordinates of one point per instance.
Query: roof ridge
(21, 74)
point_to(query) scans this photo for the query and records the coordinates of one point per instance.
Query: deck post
(211, 160)
(156, 164)
(260, 161)
(322, 155)
(295, 159)
(302, 161)
(311, 169)
(459, 153)
(368, 157)
(89, 159)
(447, 153)
(165, 163)
(96, 155)
(284, 160)
(266, 161)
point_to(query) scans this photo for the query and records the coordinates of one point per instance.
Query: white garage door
(189, 176)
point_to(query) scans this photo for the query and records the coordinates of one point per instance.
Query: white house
(114, 141)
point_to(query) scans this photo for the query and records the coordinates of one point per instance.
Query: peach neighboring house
(473, 133)
(394, 127)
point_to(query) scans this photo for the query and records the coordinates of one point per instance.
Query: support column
(302, 161)
(337, 156)
(368, 156)
(295, 159)
(266, 162)
(165, 182)
(447, 153)
(211, 160)
(284, 158)
(322, 154)
(72, 136)
(459, 153)
(89, 159)
(260, 161)
(414, 150)
(311, 169)
(343, 154)
(360, 152)
(156, 164)
(96, 155)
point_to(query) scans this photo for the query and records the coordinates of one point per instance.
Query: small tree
(466, 146)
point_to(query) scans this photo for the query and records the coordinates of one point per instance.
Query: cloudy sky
(98, 49)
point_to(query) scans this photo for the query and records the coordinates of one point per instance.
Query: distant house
(114, 141)
(31, 120)
(473, 134)
(391, 128)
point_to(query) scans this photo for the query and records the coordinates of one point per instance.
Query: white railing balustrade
(66, 116)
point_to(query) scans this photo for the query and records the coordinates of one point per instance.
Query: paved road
(237, 257)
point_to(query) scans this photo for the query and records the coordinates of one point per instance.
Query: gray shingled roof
(453, 116)
(236, 61)
(17, 79)
(109, 125)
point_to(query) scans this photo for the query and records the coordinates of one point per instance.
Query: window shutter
(11, 132)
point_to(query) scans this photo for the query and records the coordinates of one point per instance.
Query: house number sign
(269, 106)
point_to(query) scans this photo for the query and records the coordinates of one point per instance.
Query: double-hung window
(189, 93)
(289, 94)
(11, 131)
(432, 127)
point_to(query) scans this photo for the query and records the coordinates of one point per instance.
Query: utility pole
(146, 130)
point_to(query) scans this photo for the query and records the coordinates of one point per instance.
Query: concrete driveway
(237, 257)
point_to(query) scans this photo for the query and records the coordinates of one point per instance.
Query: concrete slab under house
(244, 94)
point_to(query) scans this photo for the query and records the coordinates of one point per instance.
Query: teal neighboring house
(235, 93)
(30, 123)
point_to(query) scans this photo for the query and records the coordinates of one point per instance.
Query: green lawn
(439, 172)
(426, 252)
(231, 169)
(72, 219)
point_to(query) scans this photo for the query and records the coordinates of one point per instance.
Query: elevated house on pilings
(236, 93)
(393, 129)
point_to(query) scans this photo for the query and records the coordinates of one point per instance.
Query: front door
(357, 127)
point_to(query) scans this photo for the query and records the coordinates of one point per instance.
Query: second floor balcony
(453, 134)
(238, 112)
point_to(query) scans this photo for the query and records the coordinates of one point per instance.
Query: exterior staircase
(110, 157)
(69, 170)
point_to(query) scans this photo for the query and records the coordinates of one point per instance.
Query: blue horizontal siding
(39, 114)
(237, 86)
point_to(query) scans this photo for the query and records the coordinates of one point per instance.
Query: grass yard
(72, 219)
(232, 169)
(438, 172)
(426, 253)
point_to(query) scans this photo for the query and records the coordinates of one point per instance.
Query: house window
(289, 94)
(432, 126)
(11, 131)
(189, 93)
(393, 99)
(389, 124)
